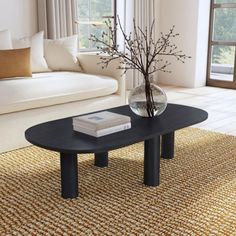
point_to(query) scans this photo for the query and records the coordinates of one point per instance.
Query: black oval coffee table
(159, 131)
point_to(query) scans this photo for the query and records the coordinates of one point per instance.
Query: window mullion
(234, 65)
(224, 5)
(227, 43)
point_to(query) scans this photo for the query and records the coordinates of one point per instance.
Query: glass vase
(148, 100)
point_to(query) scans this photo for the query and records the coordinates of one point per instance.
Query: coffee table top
(59, 136)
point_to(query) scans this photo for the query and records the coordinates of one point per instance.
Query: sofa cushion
(5, 40)
(61, 54)
(46, 89)
(36, 42)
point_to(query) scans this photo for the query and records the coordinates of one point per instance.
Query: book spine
(95, 127)
(114, 129)
(102, 132)
(84, 124)
(84, 131)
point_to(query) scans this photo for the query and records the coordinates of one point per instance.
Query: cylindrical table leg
(101, 159)
(69, 175)
(152, 162)
(167, 146)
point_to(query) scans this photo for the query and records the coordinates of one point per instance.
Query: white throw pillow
(38, 62)
(5, 40)
(61, 54)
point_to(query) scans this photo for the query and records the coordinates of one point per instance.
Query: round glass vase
(147, 100)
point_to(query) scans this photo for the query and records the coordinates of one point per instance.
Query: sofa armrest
(89, 63)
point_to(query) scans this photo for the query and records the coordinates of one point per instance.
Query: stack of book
(101, 123)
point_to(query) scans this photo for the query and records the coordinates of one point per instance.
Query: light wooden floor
(219, 103)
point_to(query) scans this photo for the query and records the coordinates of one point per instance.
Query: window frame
(114, 17)
(211, 43)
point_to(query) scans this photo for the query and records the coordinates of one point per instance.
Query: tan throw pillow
(15, 63)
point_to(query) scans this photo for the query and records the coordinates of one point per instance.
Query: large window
(92, 15)
(222, 44)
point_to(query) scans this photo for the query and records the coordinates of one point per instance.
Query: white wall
(191, 18)
(202, 43)
(19, 16)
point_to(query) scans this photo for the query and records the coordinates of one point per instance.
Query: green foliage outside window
(224, 30)
(91, 19)
(225, 1)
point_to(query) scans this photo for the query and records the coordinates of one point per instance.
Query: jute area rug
(197, 195)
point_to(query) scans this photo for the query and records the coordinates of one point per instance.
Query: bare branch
(141, 52)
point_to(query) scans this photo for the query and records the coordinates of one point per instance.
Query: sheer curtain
(57, 18)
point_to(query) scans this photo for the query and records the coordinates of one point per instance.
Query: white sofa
(47, 96)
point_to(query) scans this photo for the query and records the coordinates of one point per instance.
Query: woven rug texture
(197, 195)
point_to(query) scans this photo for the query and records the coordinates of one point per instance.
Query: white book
(102, 132)
(101, 120)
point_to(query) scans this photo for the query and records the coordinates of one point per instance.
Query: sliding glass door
(222, 44)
